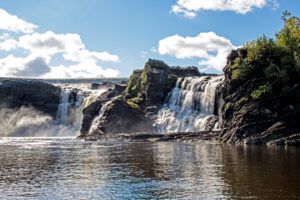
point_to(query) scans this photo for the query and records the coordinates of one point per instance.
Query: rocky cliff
(42, 96)
(260, 106)
(262, 89)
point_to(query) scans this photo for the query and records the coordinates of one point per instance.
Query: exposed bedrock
(93, 109)
(255, 115)
(121, 117)
(42, 96)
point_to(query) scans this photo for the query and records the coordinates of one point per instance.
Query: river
(65, 168)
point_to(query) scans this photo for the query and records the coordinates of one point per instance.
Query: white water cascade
(73, 99)
(190, 106)
(69, 113)
(96, 121)
(63, 107)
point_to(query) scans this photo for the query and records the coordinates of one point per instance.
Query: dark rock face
(254, 121)
(92, 110)
(121, 117)
(42, 96)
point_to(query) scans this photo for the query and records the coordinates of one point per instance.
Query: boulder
(122, 117)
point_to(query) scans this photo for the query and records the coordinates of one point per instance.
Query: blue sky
(180, 32)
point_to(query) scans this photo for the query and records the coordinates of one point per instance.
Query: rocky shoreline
(209, 136)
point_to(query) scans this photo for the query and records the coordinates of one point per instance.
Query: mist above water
(27, 121)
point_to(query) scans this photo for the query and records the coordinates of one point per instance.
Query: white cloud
(50, 43)
(69, 44)
(30, 66)
(12, 23)
(82, 55)
(37, 66)
(210, 48)
(40, 49)
(86, 69)
(7, 43)
(190, 8)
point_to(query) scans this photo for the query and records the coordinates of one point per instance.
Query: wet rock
(92, 110)
(121, 117)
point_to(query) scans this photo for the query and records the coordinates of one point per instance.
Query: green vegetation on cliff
(262, 87)
(275, 62)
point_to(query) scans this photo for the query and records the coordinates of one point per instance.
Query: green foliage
(228, 106)
(243, 100)
(289, 36)
(144, 77)
(260, 51)
(133, 105)
(260, 92)
(136, 100)
(134, 84)
(241, 70)
(274, 64)
(110, 106)
(285, 15)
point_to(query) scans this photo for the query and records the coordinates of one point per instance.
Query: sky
(111, 38)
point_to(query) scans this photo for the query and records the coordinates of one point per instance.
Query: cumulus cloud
(210, 48)
(50, 43)
(86, 69)
(40, 48)
(69, 44)
(12, 23)
(7, 43)
(82, 55)
(30, 66)
(190, 8)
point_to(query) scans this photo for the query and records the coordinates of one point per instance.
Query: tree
(285, 15)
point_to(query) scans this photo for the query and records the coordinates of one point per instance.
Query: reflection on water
(51, 168)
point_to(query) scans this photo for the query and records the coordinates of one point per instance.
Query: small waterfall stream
(62, 111)
(69, 112)
(190, 106)
(94, 127)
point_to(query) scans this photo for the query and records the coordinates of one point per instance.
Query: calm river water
(63, 168)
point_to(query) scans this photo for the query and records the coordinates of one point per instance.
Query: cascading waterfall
(190, 106)
(96, 121)
(63, 107)
(72, 102)
(69, 113)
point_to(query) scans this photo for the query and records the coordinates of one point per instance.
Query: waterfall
(190, 106)
(73, 99)
(62, 111)
(69, 112)
(96, 121)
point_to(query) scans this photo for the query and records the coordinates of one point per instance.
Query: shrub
(260, 92)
